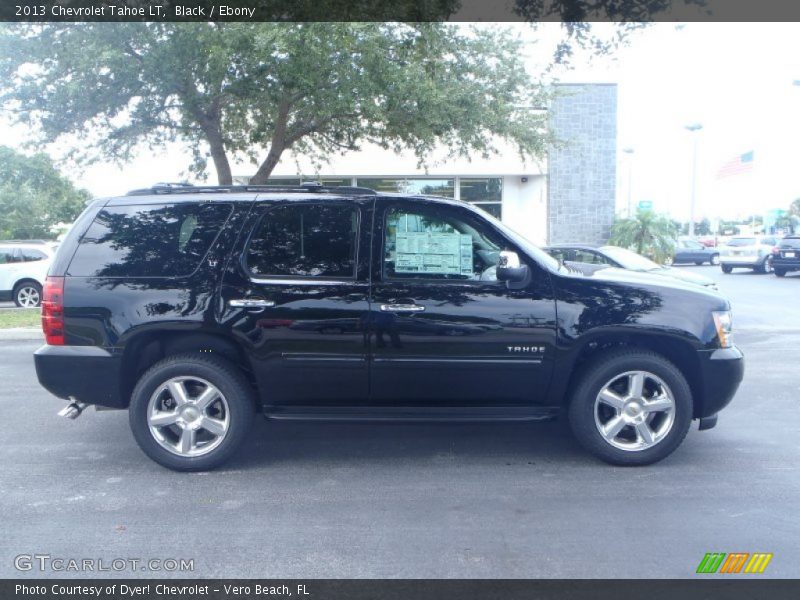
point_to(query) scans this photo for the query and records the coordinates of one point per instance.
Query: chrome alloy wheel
(28, 296)
(634, 411)
(188, 416)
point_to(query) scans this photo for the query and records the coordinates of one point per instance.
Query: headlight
(724, 325)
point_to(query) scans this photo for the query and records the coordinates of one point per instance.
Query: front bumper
(722, 371)
(86, 373)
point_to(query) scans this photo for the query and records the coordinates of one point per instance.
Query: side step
(412, 413)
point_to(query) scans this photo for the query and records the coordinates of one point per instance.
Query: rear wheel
(699, 262)
(190, 412)
(780, 272)
(631, 407)
(28, 294)
(727, 269)
(714, 259)
(765, 266)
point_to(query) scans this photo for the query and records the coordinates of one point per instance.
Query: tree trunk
(266, 167)
(276, 147)
(221, 164)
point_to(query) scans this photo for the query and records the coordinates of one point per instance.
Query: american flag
(741, 163)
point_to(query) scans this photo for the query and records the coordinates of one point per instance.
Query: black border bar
(702, 588)
(400, 10)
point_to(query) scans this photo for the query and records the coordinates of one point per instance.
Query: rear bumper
(87, 373)
(788, 264)
(722, 372)
(742, 261)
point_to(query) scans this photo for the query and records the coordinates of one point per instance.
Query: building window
(484, 192)
(408, 185)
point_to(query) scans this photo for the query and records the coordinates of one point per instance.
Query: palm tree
(646, 233)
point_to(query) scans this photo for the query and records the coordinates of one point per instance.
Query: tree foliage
(34, 196)
(647, 233)
(259, 90)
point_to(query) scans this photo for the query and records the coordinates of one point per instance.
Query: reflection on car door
(298, 300)
(443, 330)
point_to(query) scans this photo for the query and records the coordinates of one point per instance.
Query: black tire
(727, 269)
(26, 290)
(714, 260)
(699, 262)
(235, 389)
(602, 369)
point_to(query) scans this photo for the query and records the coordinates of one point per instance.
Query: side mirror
(509, 268)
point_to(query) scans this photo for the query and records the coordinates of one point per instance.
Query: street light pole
(629, 152)
(693, 128)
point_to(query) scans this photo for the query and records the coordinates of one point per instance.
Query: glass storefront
(484, 192)
(407, 185)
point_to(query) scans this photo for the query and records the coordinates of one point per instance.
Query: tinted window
(790, 242)
(6, 255)
(438, 245)
(148, 240)
(31, 254)
(586, 256)
(305, 241)
(742, 242)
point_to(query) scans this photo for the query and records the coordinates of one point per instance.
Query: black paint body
(326, 350)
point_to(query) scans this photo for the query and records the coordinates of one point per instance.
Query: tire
(727, 269)
(668, 427)
(27, 294)
(780, 272)
(766, 266)
(714, 260)
(699, 262)
(230, 412)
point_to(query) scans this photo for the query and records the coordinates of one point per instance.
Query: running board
(411, 413)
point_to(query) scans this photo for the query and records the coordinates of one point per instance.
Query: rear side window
(305, 241)
(31, 255)
(164, 240)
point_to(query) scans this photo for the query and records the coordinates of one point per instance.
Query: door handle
(402, 308)
(250, 303)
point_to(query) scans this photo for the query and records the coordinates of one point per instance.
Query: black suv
(786, 255)
(195, 308)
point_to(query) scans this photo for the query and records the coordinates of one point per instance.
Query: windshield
(629, 260)
(537, 253)
(742, 242)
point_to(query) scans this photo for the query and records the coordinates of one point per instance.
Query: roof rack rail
(310, 186)
(25, 241)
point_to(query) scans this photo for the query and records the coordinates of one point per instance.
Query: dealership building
(569, 197)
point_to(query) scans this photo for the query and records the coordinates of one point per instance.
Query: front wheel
(191, 412)
(714, 259)
(631, 407)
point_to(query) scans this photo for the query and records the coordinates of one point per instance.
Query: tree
(34, 196)
(259, 90)
(647, 233)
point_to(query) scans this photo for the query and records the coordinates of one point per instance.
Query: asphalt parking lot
(427, 501)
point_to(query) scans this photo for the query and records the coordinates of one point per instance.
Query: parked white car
(23, 269)
(748, 252)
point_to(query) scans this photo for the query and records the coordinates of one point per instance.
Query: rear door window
(164, 240)
(31, 255)
(305, 240)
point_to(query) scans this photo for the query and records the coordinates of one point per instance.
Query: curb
(21, 334)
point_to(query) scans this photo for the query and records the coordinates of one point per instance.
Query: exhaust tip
(73, 410)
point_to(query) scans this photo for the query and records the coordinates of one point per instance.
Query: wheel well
(678, 352)
(24, 281)
(147, 349)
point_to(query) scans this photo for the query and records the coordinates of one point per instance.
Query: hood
(686, 276)
(661, 278)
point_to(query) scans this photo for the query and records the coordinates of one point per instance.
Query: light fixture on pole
(693, 128)
(629, 152)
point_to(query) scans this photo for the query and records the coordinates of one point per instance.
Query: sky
(736, 79)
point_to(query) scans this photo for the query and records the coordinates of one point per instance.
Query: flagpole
(694, 128)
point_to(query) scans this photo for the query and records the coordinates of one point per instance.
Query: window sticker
(433, 253)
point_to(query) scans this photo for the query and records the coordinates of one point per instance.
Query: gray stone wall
(582, 168)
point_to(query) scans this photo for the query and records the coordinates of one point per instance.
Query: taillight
(776, 250)
(53, 311)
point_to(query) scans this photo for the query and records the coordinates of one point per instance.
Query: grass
(20, 317)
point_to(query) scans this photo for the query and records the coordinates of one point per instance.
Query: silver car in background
(747, 252)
